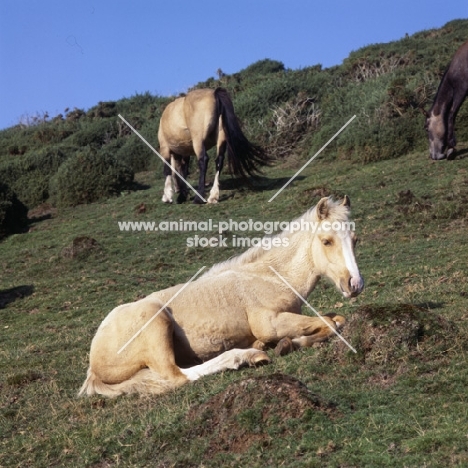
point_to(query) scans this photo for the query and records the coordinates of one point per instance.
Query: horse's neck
(443, 99)
(294, 264)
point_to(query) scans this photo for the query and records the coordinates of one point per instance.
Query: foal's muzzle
(355, 287)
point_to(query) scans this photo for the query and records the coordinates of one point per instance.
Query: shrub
(29, 175)
(262, 67)
(89, 176)
(96, 134)
(13, 213)
(136, 154)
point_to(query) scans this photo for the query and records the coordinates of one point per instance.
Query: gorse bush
(89, 176)
(96, 134)
(13, 213)
(28, 176)
(261, 68)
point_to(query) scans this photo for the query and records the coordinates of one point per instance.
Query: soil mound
(254, 411)
(382, 334)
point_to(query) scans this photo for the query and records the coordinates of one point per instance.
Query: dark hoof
(198, 201)
(182, 198)
(451, 154)
(284, 346)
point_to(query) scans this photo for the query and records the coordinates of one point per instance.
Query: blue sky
(56, 54)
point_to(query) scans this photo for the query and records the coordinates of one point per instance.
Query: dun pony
(193, 124)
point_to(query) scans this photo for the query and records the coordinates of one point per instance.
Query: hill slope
(288, 111)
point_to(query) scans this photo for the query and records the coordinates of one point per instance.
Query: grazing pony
(192, 125)
(228, 316)
(440, 120)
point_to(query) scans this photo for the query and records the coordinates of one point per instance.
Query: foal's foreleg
(311, 330)
(291, 331)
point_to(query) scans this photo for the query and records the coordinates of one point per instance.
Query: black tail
(244, 158)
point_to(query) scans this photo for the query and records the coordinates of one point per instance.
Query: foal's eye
(326, 242)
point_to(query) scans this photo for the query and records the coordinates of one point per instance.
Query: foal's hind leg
(156, 343)
(231, 359)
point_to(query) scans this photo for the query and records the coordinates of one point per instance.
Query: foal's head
(333, 246)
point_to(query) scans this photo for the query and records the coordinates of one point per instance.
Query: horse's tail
(144, 381)
(244, 158)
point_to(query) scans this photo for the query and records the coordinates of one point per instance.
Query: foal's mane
(336, 212)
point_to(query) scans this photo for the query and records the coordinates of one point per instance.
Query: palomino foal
(230, 314)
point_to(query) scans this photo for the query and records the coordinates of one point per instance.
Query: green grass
(411, 218)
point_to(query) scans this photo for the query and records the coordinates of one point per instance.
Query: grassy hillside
(401, 401)
(291, 112)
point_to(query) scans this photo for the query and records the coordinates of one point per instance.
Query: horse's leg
(451, 139)
(167, 171)
(158, 344)
(330, 323)
(203, 159)
(300, 330)
(214, 193)
(181, 165)
(231, 359)
(146, 364)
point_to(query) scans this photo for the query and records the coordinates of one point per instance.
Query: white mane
(337, 212)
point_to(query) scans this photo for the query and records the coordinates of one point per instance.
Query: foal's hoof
(284, 346)
(260, 345)
(198, 201)
(258, 358)
(338, 319)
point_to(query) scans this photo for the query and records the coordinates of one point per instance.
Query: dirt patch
(41, 212)
(254, 411)
(81, 247)
(24, 378)
(394, 334)
(407, 203)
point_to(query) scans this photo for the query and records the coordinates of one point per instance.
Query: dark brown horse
(440, 120)
(193, 124)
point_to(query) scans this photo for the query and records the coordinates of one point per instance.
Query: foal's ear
(322, 209)
(346, 202)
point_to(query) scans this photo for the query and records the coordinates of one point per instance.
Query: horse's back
(189, 121)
